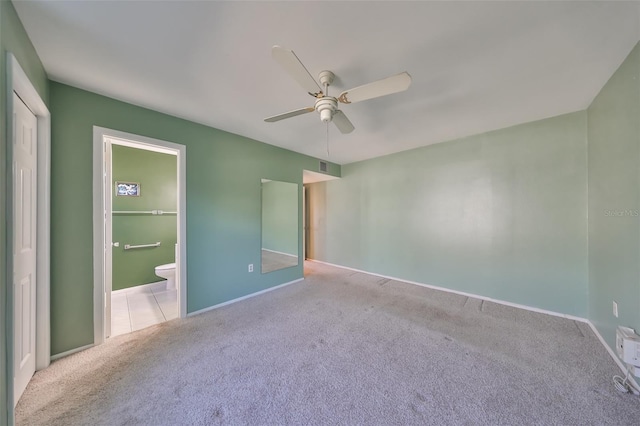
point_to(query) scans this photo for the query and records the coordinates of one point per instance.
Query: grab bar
(129, 246)
(152, 212)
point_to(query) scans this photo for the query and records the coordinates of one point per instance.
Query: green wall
(502, 214)
(614, 200)
(157, 175)
(4, 279)
(223, 206)
(280, 217)
(14, 39)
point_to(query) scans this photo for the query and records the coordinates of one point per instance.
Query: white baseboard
(462, 293)
(157, 286)
(70, 352)
(613, 355)
(229, 302)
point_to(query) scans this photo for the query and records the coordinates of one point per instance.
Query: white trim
(107, 229)
(18, 81)
(98, 239)
(141, 142)
(144, 288)
(462, 293)
(239, 299)
(71, 352)
(136, 145)
(304, 222)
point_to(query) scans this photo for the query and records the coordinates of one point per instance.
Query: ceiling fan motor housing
(326, 77)
(326, 106)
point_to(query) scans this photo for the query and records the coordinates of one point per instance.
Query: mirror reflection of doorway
(279, 225)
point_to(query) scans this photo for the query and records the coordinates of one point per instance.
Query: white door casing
(102, 139)
(304, 223)
(24, 165)
(108, 243)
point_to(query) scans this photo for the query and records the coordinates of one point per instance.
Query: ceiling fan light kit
(327, 105)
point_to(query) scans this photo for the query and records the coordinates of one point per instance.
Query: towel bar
(129, 246)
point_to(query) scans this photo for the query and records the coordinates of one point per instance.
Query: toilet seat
(166, 266)
(168, 272)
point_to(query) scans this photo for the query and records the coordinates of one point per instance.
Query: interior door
(24, 244)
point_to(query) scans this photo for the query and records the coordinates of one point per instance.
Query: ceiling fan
(327, 105)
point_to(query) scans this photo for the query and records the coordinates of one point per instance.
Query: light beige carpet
(340, 348)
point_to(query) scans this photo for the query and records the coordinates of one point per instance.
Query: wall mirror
(279, 225)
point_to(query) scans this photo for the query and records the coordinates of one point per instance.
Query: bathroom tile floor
(139, 307)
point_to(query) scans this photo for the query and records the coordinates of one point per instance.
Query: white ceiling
(476, 66)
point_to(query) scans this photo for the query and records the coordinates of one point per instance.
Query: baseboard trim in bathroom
(229, 302)
(70, 352)
(144, 288)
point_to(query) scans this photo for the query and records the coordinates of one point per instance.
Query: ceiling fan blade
(342, 122)
(290, 62)
(289, 114)
(386, 86)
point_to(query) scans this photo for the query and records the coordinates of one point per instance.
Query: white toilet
(168, 272)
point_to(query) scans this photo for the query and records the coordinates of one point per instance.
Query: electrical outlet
(251, 267)
(615, 309)
(628, 347)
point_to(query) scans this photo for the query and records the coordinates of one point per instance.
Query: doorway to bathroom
(140, 224)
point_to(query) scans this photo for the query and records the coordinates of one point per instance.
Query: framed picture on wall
(127, 189)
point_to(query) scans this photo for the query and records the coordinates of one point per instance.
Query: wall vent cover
(323, 166)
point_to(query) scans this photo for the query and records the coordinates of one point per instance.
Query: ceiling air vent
(323, 166)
